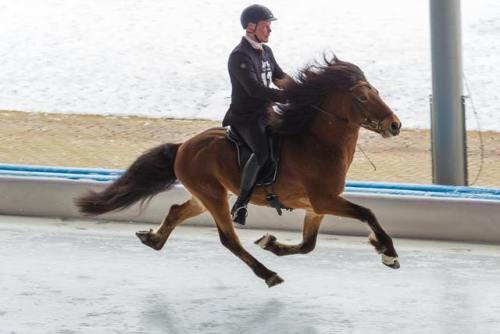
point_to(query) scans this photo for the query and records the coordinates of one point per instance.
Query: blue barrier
(56, 175)
(383, 188)
(50, 169)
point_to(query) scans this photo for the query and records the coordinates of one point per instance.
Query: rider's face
(263, 30)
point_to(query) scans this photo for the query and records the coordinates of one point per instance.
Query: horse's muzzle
(391, 126)
(394, 128)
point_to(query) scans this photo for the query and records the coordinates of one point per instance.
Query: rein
(366, 123)
(328, 114)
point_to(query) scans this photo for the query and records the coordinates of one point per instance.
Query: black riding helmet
(254, 14)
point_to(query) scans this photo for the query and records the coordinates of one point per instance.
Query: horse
(328, 103)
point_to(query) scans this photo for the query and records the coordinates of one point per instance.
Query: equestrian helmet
(254, 14)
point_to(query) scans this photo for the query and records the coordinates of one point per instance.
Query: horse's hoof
(266, 241)
(390, 261)
(143, 235)
(274, 280)
(146, 238)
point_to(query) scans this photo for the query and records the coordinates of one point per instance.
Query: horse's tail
(150, 174)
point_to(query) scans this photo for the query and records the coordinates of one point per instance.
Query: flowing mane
(311, 87)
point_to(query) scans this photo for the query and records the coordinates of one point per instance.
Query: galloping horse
(319, 127)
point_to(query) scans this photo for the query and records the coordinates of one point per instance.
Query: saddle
(268, 173)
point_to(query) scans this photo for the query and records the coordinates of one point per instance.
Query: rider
(252, 68)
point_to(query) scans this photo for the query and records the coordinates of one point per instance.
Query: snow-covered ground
(59, 276)
(168, 58)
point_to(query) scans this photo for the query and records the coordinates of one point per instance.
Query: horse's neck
(337, 136)
(333, 154)
(336, 132)
(330, 130)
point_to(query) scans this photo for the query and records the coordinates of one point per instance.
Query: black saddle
(269, 172)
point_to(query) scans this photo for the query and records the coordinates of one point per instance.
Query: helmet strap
(252, 38)
(252, 33)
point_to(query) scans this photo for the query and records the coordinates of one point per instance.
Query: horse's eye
(363, 98)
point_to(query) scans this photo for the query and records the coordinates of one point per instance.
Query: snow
(168, 58)
(74, 276)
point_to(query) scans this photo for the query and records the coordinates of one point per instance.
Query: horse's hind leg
(217, 204)
(312, 222)
(176, 215)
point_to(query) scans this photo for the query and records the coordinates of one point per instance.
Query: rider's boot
(248, 179)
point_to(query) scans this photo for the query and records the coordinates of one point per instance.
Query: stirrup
(239, 216)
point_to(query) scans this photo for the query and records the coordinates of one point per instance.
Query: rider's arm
(280, 78)
(241, 67)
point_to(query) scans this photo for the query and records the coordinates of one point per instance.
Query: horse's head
(337, 90)
(371, 112)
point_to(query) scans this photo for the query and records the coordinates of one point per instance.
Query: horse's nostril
(395, 126)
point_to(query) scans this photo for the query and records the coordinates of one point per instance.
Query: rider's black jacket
(251, 72)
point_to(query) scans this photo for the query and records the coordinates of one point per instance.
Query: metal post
(449, 159)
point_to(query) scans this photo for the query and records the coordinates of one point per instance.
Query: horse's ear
(325, 59)
(330, 61)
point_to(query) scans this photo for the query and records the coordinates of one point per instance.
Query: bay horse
(328, 104)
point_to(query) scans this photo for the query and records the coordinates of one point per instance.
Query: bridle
(366, 122)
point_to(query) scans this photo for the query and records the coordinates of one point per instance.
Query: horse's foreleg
(378, 238)
(218, 206)
(312, 221)
(176, 215)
